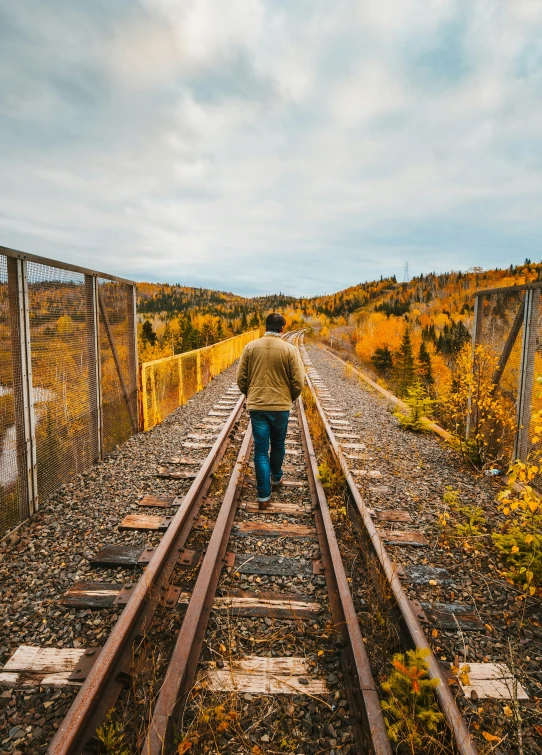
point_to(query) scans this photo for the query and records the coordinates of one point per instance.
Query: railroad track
(240, 654)
(345, 447)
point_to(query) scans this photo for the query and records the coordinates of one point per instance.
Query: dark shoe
(276, 485)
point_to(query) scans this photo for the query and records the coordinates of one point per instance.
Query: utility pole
(406, 276)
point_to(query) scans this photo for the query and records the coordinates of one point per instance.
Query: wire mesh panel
(168, 383)
(62, 381)
(9, 491)
(118, 374)
(54, 338)
(499, 337)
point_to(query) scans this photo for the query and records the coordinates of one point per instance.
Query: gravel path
(46, 555)
(416, 470)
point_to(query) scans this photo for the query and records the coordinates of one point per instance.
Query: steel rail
(182, 666)
(111, 669)
(462, 736)
(365, 701)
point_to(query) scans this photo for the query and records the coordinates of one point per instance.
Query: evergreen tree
(244, 323)
(219, 330)
(147, 333)
(254, 321)
(405, 370)
(425, 369)
(382, 359)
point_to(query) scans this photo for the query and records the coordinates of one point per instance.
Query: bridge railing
(169, 382)
(68, 375)
(508, 324)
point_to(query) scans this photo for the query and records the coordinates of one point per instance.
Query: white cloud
(233, 142)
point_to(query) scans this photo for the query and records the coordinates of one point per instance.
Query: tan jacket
(270, 374)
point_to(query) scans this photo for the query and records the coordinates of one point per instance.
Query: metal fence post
(23, 396)
(199, 384)
(526, 375)
(94, 368)
(132, 325)
(476, 331)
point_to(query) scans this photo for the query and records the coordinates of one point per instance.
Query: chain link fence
(507, 324)
(168, 383)
(68, 375)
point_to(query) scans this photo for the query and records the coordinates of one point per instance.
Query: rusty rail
(183, 663)
(99, 692)
(462, 736)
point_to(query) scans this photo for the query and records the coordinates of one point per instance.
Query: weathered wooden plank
(273, 530)
(270, 604)
(267, 676)
(275, 507)
(117, 555)
(169, 473)
(492, 680)
(452, 615)
(190, 444)
(354, 446)
(217, 413)
(421, 574)
(292, 452)
(143, 522)
(91, 595)
(254, 563)
(31, 666)
(350, 436)
(371, 474)
(393, 515)
(402, 537)
(156, 501)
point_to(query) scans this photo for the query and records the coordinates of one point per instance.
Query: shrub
(419, 405)
(520, 540)
(410, 710)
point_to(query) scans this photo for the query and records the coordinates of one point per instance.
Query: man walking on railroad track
(270, 375)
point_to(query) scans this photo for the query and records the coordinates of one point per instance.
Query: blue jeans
(268, 426)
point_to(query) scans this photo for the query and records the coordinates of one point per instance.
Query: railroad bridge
(150, 606)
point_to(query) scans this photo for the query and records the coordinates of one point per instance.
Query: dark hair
(275, 322)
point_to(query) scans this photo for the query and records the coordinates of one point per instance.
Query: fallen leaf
(490, 737)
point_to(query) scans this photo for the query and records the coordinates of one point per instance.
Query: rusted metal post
(124, 389)
(25, 423)
(132, 352)
(526, 375)
(94, 368)
(180, 379)
(199, 384)
(476, 332)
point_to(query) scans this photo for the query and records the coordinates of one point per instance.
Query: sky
(260, 146)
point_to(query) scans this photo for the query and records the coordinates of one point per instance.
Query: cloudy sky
(266, 145)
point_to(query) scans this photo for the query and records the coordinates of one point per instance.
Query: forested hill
(169, 300)
(436, 308)
(176, 318)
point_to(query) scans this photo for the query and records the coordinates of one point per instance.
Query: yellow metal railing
(166, 384)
